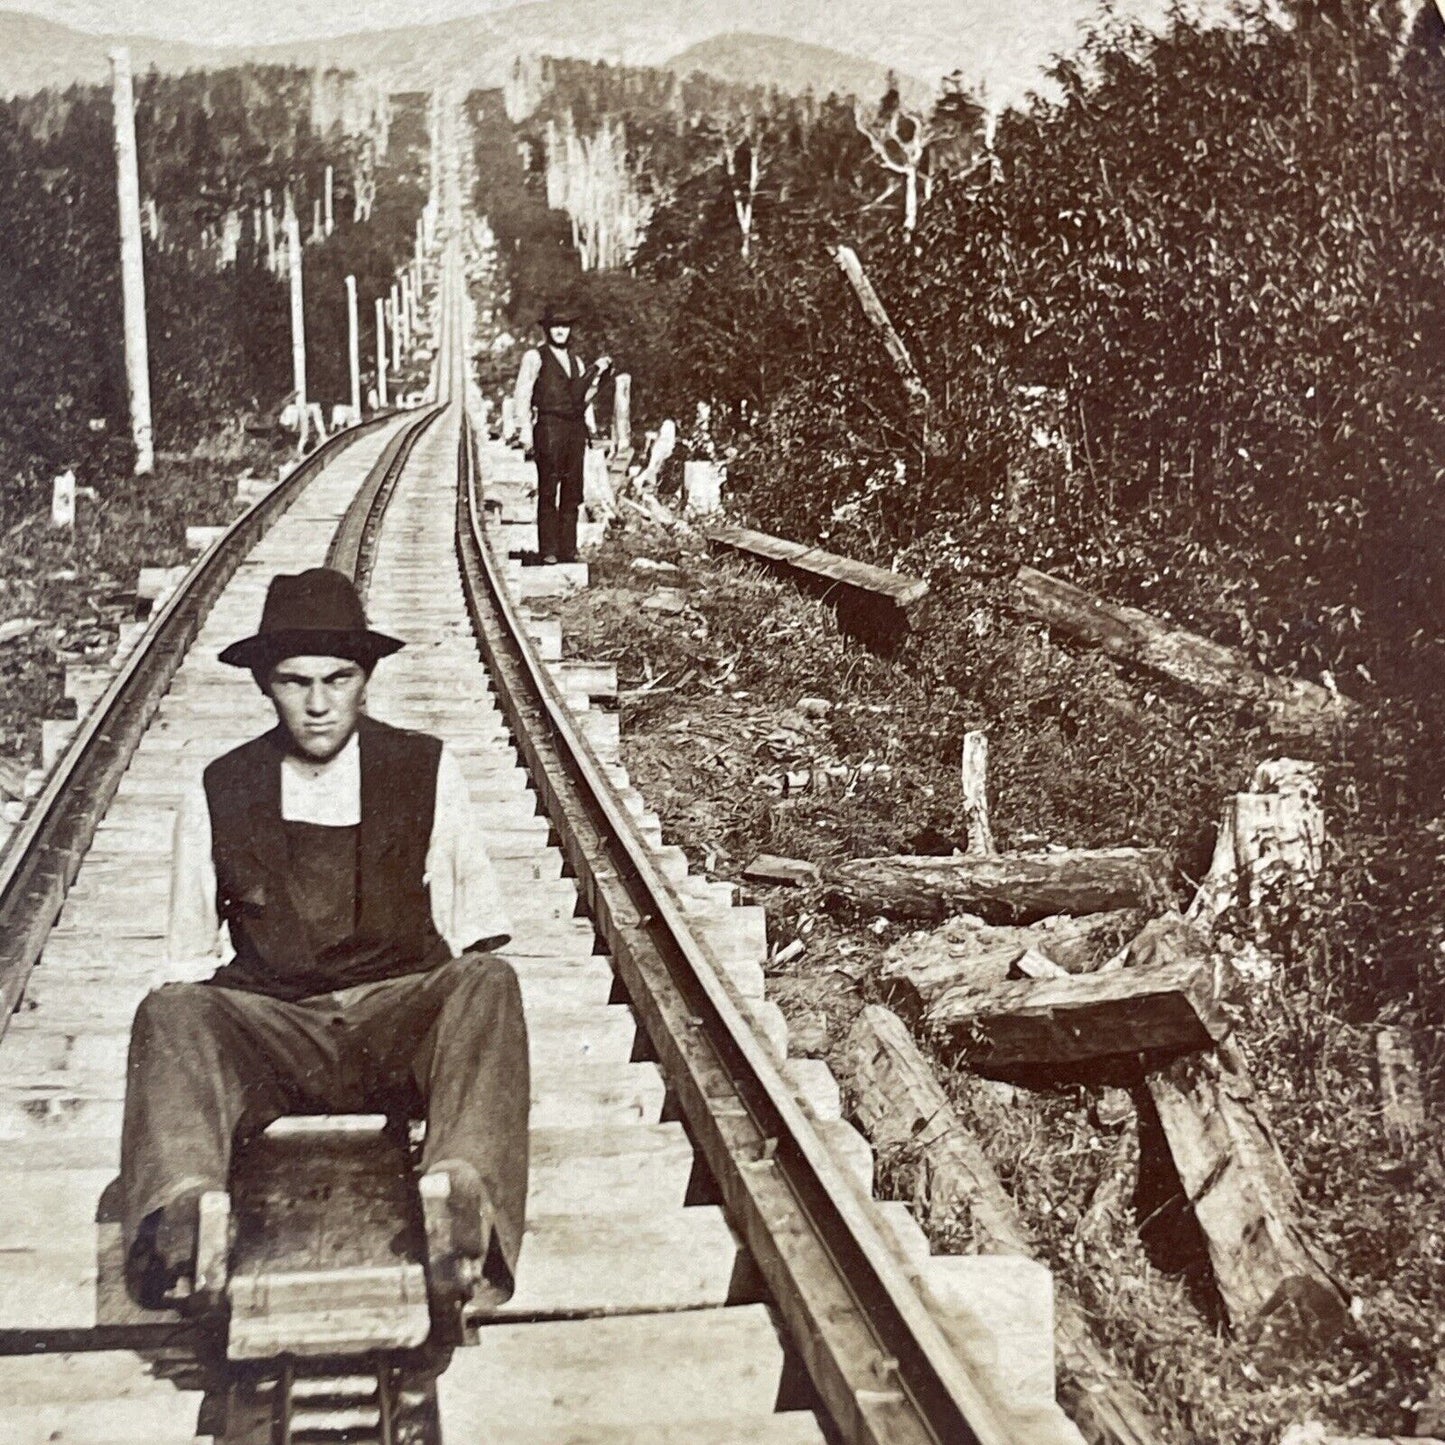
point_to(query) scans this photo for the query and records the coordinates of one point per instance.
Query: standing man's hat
(554, 315)
(316, 613)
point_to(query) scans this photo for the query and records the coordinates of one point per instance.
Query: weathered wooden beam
(817, 564)
(1005, 888)
(1076, 1019)
(1275, 1287)
(903, 1109)
(925, 965)
(1135, 637)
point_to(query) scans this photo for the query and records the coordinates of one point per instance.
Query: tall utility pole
(298, 330)
(380, 352)
(270, 232)
(132, 264)
(354, 348)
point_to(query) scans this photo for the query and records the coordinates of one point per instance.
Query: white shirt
(466, 900)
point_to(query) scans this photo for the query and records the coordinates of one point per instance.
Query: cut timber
(872, 604)
(903, 1109)
(1274, 1286)
(1005, 888)
(968, 950)
(1028, 1022)
(975, 792)
(768, 868)
(1184, 657)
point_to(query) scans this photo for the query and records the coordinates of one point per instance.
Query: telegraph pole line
(298, 329)
(354, 348)
(380, 352)
(132, 263)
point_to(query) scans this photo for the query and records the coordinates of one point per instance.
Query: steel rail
(45, 852)
(353, 546)
(878, 1362)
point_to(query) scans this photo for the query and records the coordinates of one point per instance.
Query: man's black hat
(316, 613)
(554, 315)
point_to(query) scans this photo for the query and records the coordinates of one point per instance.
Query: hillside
(792, 66)
(1001, 41)
(35, 53)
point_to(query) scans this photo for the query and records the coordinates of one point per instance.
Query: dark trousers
(209, 1065)
(560, 446)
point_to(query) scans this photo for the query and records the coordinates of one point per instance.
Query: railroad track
(698, 1265)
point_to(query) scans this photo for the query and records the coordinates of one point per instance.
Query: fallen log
(924, 965)
(1135, 637)
(1027, 1023)
(902, 1107)
(1004, 888)
(1275, 1287)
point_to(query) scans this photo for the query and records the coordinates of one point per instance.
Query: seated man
(342, 857)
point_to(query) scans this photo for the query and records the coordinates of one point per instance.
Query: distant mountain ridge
(792, 66)
(819, 43)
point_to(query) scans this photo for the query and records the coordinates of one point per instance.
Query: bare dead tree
(744, 136)
(900, 140)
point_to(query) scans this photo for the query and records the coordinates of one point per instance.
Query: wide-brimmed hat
(554, 315)
(316, 613)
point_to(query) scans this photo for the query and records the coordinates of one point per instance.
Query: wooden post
(317, 231)
(353, 348)
(270, 217)
(395, 327)
(407, 313)
(132, 263)
(975, 792)
(330, 211)
(622, 416)
(298, 332)
(381, 352)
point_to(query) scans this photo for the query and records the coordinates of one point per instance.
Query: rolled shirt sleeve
(194, 936)
(526, 382)
(466, 899)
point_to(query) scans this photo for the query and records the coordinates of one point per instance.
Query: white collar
(326, 793)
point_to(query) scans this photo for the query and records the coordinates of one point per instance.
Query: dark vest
(394, 932)
(556, 393)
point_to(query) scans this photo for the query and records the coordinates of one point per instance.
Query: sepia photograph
(722, 722)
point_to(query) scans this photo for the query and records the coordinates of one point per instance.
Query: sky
(245, 21)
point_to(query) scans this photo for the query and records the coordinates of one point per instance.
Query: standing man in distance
(341, 857)
(554, 411)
